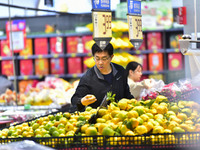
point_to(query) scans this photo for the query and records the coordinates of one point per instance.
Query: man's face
(102, 61)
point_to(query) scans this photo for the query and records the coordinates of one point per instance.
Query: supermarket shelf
(35, 77)
(154, 72)
(53, 35)
(165, 30)
(7, 57)
(173, 50)
(78, 54)
(138, 52)
(41, 56)
(47, 56)
(88, 33)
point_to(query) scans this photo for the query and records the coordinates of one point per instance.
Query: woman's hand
(147, 83)
(88, 99)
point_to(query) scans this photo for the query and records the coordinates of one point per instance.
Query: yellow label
(73, 55)
(135, 27)
(155, 72)
(137, 52)
(25, 57)
(56, 75)
(102, 24)
(40, 76)
(0, 58)
(176, 50)
(55, 55)
(74, 75)
(40, 56)
(155, 51)
(25, 77)
(89, 54)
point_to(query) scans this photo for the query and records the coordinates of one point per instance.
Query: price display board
(18, 35)
(135, 22)
(102, 18)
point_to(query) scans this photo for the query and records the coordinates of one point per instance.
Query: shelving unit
(165, 50)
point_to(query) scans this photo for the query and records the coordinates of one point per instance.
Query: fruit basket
(168, 141)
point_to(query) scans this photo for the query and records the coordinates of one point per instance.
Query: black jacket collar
(100, 76)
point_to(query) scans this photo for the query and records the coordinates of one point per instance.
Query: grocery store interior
(45, 49)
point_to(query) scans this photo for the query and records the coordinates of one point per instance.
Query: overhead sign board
(134, 7)
(101, 5)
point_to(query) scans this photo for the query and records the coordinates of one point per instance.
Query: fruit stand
(127, 124)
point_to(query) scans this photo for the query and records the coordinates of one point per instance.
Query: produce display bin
(167, 141)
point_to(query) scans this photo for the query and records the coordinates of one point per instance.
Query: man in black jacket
(100, 79)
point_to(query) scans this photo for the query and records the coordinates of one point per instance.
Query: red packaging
(41, 46)
(156, 62)
(74, 65)
(72, 43)
(26, 67)
(143, 45)
(86, 39)
(175, 61)
(154, 40)
(23, 85)
(7, 67)
(41, 67)
(57, 66)
(28, 49)
(5, 50)
(144, 61)
(56, 45)
(84, 66)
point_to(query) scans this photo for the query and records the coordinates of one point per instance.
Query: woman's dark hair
(97, 49)
(132, 66)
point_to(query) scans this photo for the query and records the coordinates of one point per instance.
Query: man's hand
(88, 99)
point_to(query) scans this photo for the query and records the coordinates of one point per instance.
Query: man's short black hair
(97, 49)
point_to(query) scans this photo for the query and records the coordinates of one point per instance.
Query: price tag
(73, 55)
(55, 55)
(155, 51)
(135, 27)
(135, 30)
(56, 75)
(74, 75)
(25, 77)
(176, 50)
(155, 72)
(40, 76)
(89, 54)
(40, 56)
(137, 52)
(102, 24)
(25, 57)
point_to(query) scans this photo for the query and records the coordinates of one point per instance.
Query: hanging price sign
(135, 23)
(16, 35)
(102, 18)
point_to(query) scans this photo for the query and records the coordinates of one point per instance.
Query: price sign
(102, 33)
(135, 30)
(16, 34)
(135, 22)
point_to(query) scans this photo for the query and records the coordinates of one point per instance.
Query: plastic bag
(156, 86)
